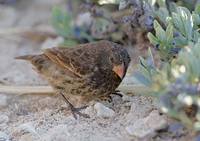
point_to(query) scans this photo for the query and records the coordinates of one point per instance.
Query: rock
(89, 111)
(139, 129)
(3, 101)
(140, 107)
(147, 126)
(3, 119)
(103, 111)
(4, 136)
(27, 128)
(155, 120)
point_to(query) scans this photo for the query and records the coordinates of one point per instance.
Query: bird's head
(120, 60)
(117, 59)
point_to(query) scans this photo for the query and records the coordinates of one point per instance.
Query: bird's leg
(109, 97)
(118, 93)
(74, 110)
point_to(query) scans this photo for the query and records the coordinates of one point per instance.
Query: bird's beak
(119, 70)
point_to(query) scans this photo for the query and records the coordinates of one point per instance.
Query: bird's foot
(76, 111)
(118, 93)
(109, 98)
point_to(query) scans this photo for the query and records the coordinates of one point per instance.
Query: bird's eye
(111, 59)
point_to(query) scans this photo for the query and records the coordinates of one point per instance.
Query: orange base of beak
(119, 70)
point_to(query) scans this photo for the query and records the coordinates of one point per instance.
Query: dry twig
(136, 89)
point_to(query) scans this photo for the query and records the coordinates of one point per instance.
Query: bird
(92, 70)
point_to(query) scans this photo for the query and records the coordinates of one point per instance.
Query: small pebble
(89, 110)
(27, 128)
(146, 126)
(4, 136)
(139, 129)
(103, 111)
(155, 120)
(3, 119)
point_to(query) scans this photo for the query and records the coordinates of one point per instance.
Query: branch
(26, 89)
(136, 89)
(11, 31)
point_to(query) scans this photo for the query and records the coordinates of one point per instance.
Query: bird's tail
(25, 57)
(41, 62)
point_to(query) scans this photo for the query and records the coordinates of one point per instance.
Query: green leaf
(173, 7)
(152, 38)
(196, 20)
(177, 21)
(150, 59)
(161, 3)
(169, 33)
(160, 33)
(69, 43)
(181, 41)
(196, 36)
(183, 22)
(61, 21)
(197, 9)
(162, 14)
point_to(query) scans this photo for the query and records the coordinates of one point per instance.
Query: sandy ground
(46, 117)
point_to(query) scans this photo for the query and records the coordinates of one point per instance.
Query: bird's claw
(76, 111)
(118, 93)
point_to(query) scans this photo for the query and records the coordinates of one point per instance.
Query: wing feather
(79, 60)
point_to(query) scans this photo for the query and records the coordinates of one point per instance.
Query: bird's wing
(80, 60)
